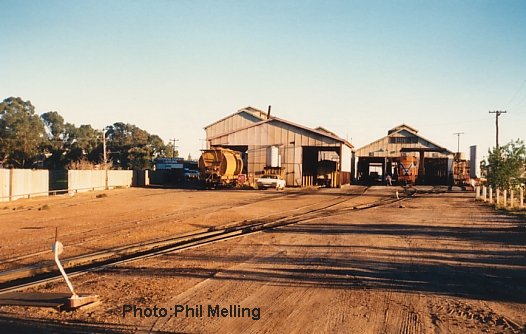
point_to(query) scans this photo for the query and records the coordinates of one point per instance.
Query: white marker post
(74, 301)
(58, 248)
(490, 195)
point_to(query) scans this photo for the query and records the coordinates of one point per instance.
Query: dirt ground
(441, 263)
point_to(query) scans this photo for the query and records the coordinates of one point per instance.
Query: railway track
(76, 239)
(32, 276)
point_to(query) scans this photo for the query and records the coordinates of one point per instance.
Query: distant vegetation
(28, 140)
(505, 166)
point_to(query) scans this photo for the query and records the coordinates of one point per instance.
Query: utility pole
(458, 140)
(174, 146)
(497, 114)
(104, 146)
(105, 158)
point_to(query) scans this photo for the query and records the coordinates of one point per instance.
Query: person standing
(389, 180)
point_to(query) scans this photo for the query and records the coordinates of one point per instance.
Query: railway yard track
(35, 275)
(368, 259)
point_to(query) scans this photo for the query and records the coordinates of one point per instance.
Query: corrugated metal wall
(382, 148)
(288, 138)
(231, 123)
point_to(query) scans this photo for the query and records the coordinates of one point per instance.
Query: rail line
(37, 275)
(119, 227)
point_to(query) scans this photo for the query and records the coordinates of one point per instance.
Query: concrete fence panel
(23, 183)
(120, 178)
(4, 185)
(86, 180)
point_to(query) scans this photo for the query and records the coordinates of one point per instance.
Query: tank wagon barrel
(220, 166)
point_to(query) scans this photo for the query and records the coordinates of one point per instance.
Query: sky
(357, 68)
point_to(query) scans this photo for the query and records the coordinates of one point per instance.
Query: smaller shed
(382, 157)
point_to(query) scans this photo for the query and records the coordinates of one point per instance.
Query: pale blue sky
(357, 68)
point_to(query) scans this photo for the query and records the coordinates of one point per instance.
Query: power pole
(105, 158)
(497, 114)
(458, 140)
(104, 146)
(174, 146)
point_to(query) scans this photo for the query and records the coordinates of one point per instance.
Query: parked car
(270, 181)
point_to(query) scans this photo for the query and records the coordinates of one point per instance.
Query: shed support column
(421, 169)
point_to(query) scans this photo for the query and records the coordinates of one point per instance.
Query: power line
(517, 92)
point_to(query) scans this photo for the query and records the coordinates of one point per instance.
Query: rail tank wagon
(220, 167)
(407, 170)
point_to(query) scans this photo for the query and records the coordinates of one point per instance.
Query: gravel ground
(440, 263)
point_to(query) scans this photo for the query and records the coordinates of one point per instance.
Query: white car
(270, 181)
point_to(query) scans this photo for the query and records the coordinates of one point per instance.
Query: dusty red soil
(443, 263)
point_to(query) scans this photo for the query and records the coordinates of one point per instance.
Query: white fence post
(521, 193)
(505, 197)
(477, 192)
(498, 196)
(512, 198)
(484, 193)
(490, 195)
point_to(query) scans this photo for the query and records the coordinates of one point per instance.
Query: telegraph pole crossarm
(458, 140)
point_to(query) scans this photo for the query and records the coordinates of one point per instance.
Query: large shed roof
(319, 131)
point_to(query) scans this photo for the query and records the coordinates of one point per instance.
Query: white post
(484, 193)
(477, 192)
(521, 200)
(498, 196)
(505, 197)
(512, 198)
(490, 195)
(58, 248)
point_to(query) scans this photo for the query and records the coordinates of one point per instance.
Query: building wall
(289, 139)
(383, 148)
(231, 123)
(346, 157)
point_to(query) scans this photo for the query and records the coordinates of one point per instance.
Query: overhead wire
(509, 104)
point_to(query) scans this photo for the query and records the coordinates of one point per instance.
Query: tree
(505, 165)
(83, 142)
(21, 133)
(54, 124)
(133, 147)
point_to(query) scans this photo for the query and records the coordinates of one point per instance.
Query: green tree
(83, 142)
(21, 133)
(505, 165)
(133, 147)
(54, 147)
